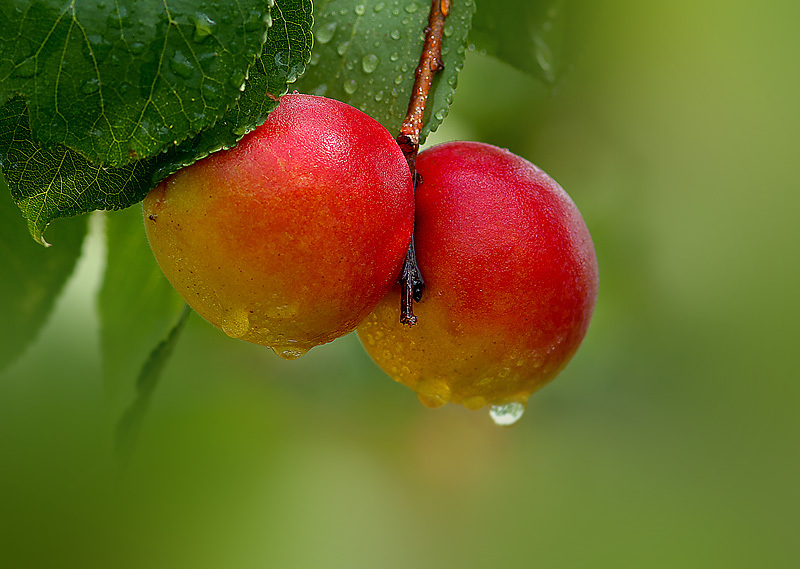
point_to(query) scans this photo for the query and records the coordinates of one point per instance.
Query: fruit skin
(292, 237)
(511, 281)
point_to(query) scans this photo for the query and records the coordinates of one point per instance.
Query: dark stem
(430, 62)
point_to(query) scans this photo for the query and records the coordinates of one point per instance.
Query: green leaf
(366, 53)
(58, 182)
(131, 422)
(530, 36)
(283, 59)
(137, 305)
(122, 80)
(31, 277)
(51, 182)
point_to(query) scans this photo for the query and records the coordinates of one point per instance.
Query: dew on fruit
(474, 403)
(289, 352)
(431, 401)
(369, 63)
(325, 33)
(507, 414)
(235, 322)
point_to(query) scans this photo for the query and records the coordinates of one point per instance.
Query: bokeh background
(671, 440)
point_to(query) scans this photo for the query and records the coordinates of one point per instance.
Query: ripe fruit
(292, 237)
(511, 282)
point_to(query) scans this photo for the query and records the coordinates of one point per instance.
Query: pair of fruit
(297, 236)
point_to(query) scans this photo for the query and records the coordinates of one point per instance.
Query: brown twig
(430, 62)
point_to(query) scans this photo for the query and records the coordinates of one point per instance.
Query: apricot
(510, 283)
(292, 237)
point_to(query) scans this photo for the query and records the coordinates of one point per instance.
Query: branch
(430, 62)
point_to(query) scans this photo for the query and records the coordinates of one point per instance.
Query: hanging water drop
(508, 414)
(289, 352)
(235, 322)
(325, 33)
(369, 63)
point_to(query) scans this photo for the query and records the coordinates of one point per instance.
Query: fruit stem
(430, 62)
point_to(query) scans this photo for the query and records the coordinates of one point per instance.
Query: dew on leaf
(325, 33)
(395, 56)
(394, 34)
(315, 57)
(369, 63)
(320, 90)
(180, 65)
(210, 91)
(350, 86)
(359, 9)
(448, 31)
(398, 79)
(137, 48)
(411, 8)
(90, 86)
(203, 27)
(342, 48)
(379, 6)
(508, 414)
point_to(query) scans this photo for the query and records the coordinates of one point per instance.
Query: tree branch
(430, 62)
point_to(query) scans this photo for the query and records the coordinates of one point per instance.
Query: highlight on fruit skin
(511, 282)
(292, 237)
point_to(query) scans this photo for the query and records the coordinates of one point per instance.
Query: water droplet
(432, 402)
(394, 34)
(342, 48)
(378, 96)
(398, 79)
(448, 31)
(203, 26)
(315, 58)
(508, 414)
(320, 90)
(90, 86)
(440, 114)
(325, 33)
(395, 56)
(411, 8)
(379, 6)
(359, 9)
(210, 91)
(255, 21)
(350, 86)
(181, 65)
(289, 352)
(474, 403)
(544, 57)
(369, 63)
(235, 322)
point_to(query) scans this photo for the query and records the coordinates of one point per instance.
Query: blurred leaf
(131, 422)
(284, 58)
(32, 276)
(121, 80)
(54, 181)
(366, 53)
(137, 305)
(58, 182)
(528, 35)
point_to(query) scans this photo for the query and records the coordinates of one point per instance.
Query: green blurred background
(671, 440)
